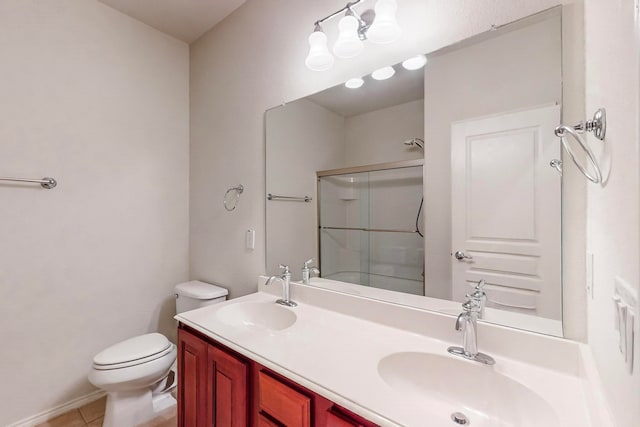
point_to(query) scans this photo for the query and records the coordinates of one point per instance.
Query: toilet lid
(133, 349)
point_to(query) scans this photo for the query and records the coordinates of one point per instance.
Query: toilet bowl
(130, 373)
(137, 373)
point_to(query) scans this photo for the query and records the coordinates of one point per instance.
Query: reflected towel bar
(45, 182)
(375, 230)
(290, 198)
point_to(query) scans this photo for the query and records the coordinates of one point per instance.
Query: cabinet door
(227, 390)
(192, 380)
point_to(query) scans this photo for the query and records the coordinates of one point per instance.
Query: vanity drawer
(263, 421)
(337, 420)
(340, 417)
(282, 402)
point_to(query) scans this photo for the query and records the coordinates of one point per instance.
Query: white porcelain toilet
(138, 374)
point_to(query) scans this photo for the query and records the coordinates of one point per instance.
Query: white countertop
(336, 355)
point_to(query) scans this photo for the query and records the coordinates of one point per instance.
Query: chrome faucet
(285, 278)
(467, 322)
(306, 272)
(479, 296)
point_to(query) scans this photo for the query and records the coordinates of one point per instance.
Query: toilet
(139, 373)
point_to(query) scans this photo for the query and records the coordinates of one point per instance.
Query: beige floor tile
(167, 418)
(94, 410)
(96, 423)
(70, 419)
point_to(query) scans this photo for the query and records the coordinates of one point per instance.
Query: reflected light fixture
(354, 83)
(383, 73)
(415, 62)
(378, 26)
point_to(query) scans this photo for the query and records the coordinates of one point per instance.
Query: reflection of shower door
(506, 210)
(367, 228)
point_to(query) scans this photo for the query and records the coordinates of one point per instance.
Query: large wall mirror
(416, 187)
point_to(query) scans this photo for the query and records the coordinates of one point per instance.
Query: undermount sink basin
(484, 396)
(263, 315)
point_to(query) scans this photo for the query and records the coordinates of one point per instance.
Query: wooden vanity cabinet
(212, 384)
(219, 388)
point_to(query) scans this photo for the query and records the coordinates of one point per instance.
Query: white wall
(232, 84)
(99, 102)
(377, 136)
(521, 69)
(613, 208)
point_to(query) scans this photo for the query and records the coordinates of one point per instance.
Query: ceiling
(186, 20)
(404, 86)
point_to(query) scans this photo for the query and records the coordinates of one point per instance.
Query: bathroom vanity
(342, 360)
(224, 388)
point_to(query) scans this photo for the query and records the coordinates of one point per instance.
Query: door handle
(461, 256)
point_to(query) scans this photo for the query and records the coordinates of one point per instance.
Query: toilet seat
(134, 351)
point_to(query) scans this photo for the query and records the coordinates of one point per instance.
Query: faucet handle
(471, 305)
(309, 261)
(285, 269)
(479, 293)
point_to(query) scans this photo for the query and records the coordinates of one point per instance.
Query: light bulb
(384, 29)
(415, 62)
(383, 73)
(354, 83)
(319, 58)
(348, 44)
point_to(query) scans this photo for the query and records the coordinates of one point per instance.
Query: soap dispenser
(306, 272)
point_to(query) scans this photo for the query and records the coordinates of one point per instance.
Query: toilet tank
(196, 294)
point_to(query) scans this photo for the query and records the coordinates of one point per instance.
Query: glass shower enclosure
(370, 225)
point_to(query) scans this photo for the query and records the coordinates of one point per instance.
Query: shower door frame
(402, 164)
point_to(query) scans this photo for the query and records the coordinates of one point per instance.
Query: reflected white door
(506, 210)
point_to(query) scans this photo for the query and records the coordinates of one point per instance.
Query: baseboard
(59, 410)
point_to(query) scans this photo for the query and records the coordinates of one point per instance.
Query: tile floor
(92, 414)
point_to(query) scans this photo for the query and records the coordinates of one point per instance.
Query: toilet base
(132, 408)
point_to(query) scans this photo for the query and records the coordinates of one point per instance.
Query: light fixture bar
(343, 10)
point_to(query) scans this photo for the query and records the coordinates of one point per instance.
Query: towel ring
(238, 191)
(598, 126)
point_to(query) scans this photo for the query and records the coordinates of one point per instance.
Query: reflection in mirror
(428, 182)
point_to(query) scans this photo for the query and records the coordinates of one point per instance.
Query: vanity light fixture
(383, 73)
(319, 58)
(354, 83)
(385, 29)
(348, 44)
(415, 62)
(378, 26)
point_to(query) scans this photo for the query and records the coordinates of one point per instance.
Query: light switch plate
(628, 295)
(250, 239)
(625, 298)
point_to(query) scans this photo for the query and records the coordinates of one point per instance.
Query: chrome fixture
(467, 322)
(459, 255)
(306, 199)
(459, 418)
(557, 165)
(598, 125)
(45, 182)
(479, 297)
(238, 191)
(415, 142)
(306, 272)
(285, 278)
(378, 26)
